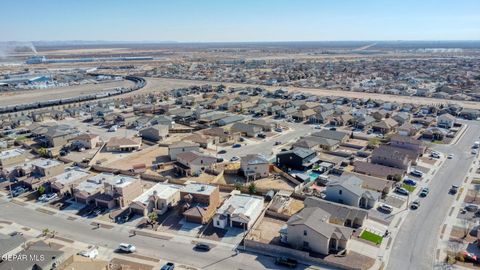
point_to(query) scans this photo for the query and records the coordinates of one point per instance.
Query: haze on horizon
(239, 21)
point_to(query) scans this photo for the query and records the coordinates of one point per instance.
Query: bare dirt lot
(27, 96)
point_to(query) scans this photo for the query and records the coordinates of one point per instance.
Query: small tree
(152, 218)
(45, 231)
(41, 190)
(252, 188)
(238, 185)
(43, 152)
(397, 178)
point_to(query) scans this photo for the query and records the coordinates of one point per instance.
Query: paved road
(267, 146)
(414, 246)
(219, 257)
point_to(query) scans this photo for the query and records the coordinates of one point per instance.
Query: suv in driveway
(402, 191)
(453, 190)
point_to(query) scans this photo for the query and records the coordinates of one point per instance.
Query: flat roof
(121, 181)
(162, 190)
(70, 176)
(45, 163)
(198, 188)
(94, 183)
(11, 153)
(241, 204)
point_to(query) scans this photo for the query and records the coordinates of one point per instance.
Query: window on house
(304, 232)
(340, 192)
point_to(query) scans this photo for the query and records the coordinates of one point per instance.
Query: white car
(235, 158)
(50, 196)
(91, 253)
(127, 248)
(474, 151)
(450, 156)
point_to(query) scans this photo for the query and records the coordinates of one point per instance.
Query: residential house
(220, 135)
(123, 144)
(407, 129)
(154, 133)
(240, 211)
(37, 255)
(340, 214)
(193, 163)
(296, 159)
(200, 202)
(409, 143)
(12, 157)
(254, 166)
(310, 230)
(53, 135)
(391, 156)
(246, 129)
(86, 140)
(385, 126)
(377, 170)
(64, 184)
(181, 147)
(119, 191)
(446, 120)
(349, 191)
(158, 199)
(86, 192)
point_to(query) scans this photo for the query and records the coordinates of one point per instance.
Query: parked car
(50, 197)
(222, 151)
(237, 145)
(235, 158)
(424, 192)
(453, 190)
(113, 128)
(417, 173)
(415, 204)
(201, 246)
(402, 191)
(318, 127)
(410, 182)
(451, 156)
(278, 143)
(168, 266)
(435, 155)
(385, 208)
(471, 208)
(129, 248)
(91, 253)
(278, 130)
(42, 197)
(285, 261)
(474, 151)
(262, 135)
(18, 191)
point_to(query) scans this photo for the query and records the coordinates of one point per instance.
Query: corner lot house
(254, 167)
(158, 199)
(310, 230)
(240, 210)
(446, 120)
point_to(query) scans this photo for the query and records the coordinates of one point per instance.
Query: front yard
(369, 236)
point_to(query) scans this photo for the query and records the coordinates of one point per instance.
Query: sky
(239, 20)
